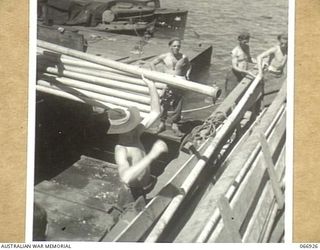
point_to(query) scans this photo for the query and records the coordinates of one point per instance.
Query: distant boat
(125, 27)
(120, 16)
(74, 12)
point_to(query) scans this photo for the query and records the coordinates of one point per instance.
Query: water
(218, 22)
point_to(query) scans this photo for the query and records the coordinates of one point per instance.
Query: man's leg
(163, 118)
(176, 117)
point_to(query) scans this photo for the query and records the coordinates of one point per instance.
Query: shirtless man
(277, 57)
(177, 64)
(130, 155)
(241, 58)
(271, 65)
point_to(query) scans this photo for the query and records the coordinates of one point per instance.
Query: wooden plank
(141, 223)
(258, 219)
(67, 38)
(123, 222)
(248, 190)
(87, 186)
(103, 202)
(92, 178)
(74, 215)
(220, 233)
(260, 222)
(281, 164)
(270, 219)
(278, 231)
(265, 235)
(89, 169)
(229, 220)
(223, 166)
(65, 228)
(204, 210)
(171, 169)
(271, 171)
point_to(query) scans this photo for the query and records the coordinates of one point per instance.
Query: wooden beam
(271, 171)
(203, 216)
(229, 219)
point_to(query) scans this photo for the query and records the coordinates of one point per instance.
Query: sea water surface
(218, 22)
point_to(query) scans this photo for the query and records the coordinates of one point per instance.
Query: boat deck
(80, 200)
(131, 49)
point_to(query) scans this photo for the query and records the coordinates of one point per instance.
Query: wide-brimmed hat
(123, 121)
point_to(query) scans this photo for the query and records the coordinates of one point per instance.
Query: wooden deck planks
(78, 200)
(245, 195)
(200, 217)
(92, 178)
(64, 228)
(71, 194)
(251, 184)
(73, 219)
(259, 219)
(278, 231)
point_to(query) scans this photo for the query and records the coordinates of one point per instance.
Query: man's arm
(155, 104)
(189, 68)
(129, 174)
(156, 61)
(263, 55)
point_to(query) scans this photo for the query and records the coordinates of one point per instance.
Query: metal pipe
(95, 96)
(100, 89)
(86, 100)
(214, 92)
(110, 75)
(100, 81)
(69, 60)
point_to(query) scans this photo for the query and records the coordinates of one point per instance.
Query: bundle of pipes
(82, 77)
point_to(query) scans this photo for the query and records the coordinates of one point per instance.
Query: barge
(222, 182)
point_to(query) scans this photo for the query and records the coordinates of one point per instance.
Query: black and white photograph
(161, 121)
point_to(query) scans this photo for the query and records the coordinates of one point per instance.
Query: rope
(202, 132)
(196, 109)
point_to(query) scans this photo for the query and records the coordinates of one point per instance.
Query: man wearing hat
(130, 156)
(240, 62)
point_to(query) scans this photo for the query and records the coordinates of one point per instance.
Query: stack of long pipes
(102, 82)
